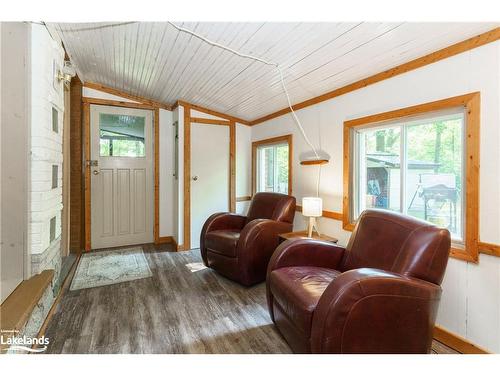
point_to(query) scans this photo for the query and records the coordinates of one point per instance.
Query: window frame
(471, 104)
(288, 138)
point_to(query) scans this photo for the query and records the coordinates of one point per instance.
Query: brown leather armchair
(239, 247)
(380, 294)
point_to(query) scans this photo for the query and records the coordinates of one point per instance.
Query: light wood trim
(76, 196)
(187, 177)
(456, 342)
(455, 49)
(472, 155)
(175, 245)
(288, 138)
(86, 147)
(165, 239)
(201, 120)
(471, 102)
(136, 98)
(328, 214)
(346, 224)
(18, 306)
(489, 249)
(438, 105)
(244, 198)
(211, 112)
(232, 166)
(115, 103)
(156, 145)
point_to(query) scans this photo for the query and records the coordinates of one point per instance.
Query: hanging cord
(276, 65)
(319, 180)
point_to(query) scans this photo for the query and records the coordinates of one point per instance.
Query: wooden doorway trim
(86, 103)
(66, 174)
(188, 120)
(156, 174)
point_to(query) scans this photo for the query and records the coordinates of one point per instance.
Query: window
(421, 161)
(272, 165)
(55, 120)
(55, 175)
(52, 230)
(121, 135)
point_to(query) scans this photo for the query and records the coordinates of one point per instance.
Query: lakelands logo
(23, 343)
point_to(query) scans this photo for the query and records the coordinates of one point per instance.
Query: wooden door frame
(86, 103)
(66, 174)
(188, 120)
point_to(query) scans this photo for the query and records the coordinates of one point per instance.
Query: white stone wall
(46, 146)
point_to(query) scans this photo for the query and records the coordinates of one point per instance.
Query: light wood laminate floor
(174, 311)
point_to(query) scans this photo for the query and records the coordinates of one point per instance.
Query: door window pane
(121, 135)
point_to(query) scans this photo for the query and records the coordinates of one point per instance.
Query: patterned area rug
(110, 267)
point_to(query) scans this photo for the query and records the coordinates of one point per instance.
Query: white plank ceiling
(156, 61)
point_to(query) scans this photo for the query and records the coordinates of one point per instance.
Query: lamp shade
(312, 206)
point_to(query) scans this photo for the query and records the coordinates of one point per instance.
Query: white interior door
(209, 175)
(121, 176)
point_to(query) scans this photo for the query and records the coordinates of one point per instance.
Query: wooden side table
(303, 235)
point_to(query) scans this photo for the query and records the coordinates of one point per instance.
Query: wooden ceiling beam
(136, 98)
(211, 112)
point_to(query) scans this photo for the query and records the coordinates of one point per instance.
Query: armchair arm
(306, 252)
(374, 311)
(219, 221)
(257, 242)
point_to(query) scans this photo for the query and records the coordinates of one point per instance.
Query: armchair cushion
(297, 291)
(223, 242)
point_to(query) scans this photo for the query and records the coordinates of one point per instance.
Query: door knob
(95, 172)
(195, 178)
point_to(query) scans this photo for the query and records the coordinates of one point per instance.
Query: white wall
(470, 305)
(166, 165)
(243, 166)
(15, 131)
(179, 184)
(46, 145)
(92, 93)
